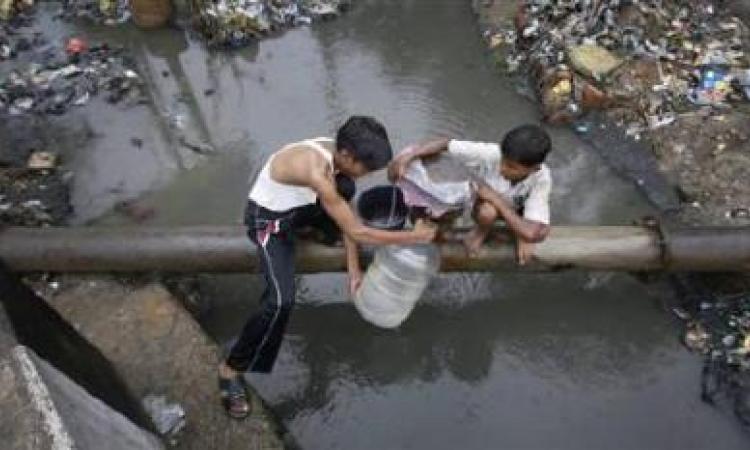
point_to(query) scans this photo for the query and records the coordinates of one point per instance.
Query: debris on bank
(17, 36)
(168, 418)
(234, 23)
(10, 8)
(30, 197)
(719, 329)
(107, 12)
(61, 78)
(50, 80)
(647, 61)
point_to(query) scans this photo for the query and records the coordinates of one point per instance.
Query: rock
(592, 60)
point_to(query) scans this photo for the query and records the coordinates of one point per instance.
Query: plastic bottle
(394, 282)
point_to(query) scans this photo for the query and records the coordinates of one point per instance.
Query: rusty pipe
(227, 249)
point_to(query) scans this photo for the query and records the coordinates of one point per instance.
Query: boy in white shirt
(515, 184)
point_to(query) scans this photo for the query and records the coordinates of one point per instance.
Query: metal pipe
(227, 249)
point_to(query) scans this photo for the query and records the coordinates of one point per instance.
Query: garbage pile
(644, 61)
(107, 12)
(16, 36)
(9, 8)
(720, 330)
(61, 79)
(34, 197)
(234, 23)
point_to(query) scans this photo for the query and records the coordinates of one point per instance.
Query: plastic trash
(394, 283)
(234, 23)
(169, 418)
(714, 86)
(593, 60)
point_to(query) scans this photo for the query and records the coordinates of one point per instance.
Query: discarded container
(151, 13)
(394, 282)
(383, 207)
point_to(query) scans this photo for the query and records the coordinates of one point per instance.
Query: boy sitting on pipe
(300, 185)
(513, 184)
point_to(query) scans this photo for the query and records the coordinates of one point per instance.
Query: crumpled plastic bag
(422, 188)
(169, 418)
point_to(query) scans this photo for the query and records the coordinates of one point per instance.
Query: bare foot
(473, 241)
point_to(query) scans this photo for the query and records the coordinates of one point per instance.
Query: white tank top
(280, 197)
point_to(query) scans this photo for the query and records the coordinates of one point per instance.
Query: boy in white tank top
(305, 183)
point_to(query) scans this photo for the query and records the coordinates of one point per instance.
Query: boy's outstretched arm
(352, 265)
(527, 230)
(340, 211)
(397, 167)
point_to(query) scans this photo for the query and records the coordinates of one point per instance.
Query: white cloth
(280, 197)
(530, 194)
(438, 198)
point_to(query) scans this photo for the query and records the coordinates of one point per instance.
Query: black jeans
(273, 234)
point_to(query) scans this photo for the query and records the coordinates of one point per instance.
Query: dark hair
(367, 141)
(527, 145)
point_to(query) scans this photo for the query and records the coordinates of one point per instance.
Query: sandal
(234, 396)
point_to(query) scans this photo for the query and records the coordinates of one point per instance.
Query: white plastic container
(394, 282)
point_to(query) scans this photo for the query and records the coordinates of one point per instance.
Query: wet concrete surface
(510, 361)
(160, 350)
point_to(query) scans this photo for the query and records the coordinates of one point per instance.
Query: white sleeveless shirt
(280, 197)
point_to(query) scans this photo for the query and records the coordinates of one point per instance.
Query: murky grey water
(507, 361)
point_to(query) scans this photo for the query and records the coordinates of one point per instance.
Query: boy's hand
(425, 231)
(355, 281)
(397, 168)
(524, 251)
(483, 190)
